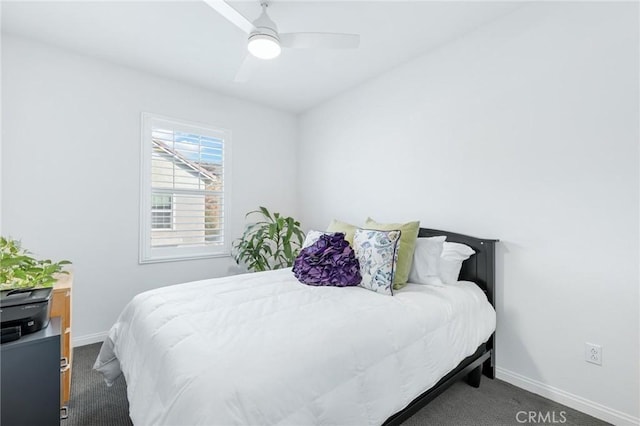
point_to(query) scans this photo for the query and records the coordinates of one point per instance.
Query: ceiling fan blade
(232, 15)
(320, 40)
(245, 70)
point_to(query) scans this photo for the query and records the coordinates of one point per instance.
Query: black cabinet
(30, 376)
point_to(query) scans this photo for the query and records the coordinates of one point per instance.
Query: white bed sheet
(262, 348)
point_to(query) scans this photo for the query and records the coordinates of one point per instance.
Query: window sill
(185, 257)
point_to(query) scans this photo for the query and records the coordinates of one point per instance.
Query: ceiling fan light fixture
(264, 46)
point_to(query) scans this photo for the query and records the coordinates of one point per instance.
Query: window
(184, 187)
(161, 211)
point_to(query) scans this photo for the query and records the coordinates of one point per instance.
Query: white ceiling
(189, 41)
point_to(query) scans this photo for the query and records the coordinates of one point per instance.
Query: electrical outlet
(593, 353)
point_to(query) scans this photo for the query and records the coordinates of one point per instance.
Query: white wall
(1, 125)
(525, 130)
(68, 120)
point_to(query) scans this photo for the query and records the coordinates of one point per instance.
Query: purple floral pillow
(329, 261)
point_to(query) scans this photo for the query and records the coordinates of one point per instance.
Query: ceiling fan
(265, 42)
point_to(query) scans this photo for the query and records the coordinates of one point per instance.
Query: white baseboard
(570, 400)
(88, 339)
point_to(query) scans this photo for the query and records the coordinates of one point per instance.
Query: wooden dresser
(61, 307)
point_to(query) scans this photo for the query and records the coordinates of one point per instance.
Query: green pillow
(346, 228)
(406, 247)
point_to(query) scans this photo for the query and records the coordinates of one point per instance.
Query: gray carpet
(494, 403)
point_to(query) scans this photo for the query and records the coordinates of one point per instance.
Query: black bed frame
(479, 268)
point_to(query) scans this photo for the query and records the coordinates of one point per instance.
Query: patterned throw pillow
(406, 247)
(330, 260)
(377, 252)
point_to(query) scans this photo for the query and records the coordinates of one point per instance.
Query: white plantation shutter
(184, 186)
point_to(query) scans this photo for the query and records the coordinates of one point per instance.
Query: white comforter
(264, 349)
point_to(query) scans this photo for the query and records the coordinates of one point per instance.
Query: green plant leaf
(18, 269)
(265, 213)
(267, 243)
(287, 251)
(290, 226)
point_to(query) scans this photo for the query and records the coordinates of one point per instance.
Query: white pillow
(453, 254)
(426, 257)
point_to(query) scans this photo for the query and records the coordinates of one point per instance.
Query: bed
(264, 349)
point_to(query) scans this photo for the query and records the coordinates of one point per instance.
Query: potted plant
(273, 242)
(18, 269)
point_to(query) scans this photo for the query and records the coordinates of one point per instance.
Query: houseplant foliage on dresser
(18, 269)
(272, 242)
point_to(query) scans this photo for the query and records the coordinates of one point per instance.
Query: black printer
(24, 311)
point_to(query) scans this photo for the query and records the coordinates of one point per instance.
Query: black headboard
(479, 268)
